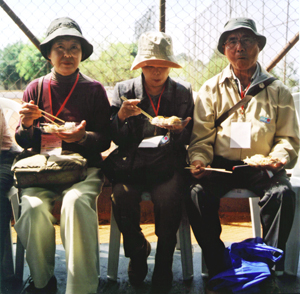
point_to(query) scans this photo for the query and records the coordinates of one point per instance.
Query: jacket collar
(261, 76)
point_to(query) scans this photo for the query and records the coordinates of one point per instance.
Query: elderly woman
(71, 96)
(160, 169)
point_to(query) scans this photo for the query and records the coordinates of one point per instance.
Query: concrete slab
(287, 284)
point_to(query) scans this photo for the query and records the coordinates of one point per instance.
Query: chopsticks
(221, 170)
(47, 113)
(142, 111)
(55, 117)
(50, 120)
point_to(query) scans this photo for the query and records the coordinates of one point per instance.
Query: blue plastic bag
(249, 263)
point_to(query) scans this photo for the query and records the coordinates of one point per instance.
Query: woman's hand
(129, 109)
(177, 129)
(75, 136)
(198, 169)
(29, 112)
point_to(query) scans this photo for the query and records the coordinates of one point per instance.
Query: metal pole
(20, 24)
(162, 16)
(284, 51)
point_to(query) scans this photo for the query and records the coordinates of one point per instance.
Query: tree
(31, 64)
(145, 23)
(8, 60)
(113, 64)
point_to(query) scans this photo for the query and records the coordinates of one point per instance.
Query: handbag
(38, 170)
(133, 164)
(249, 264)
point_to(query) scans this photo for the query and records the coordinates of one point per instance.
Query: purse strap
(252, 92)
(40, 84)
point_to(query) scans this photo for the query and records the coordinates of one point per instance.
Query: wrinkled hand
(199, 171)
(129, 109)
(177, 129)
(275, 167)
(29, 112)
(75, 136)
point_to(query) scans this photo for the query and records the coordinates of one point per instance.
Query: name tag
(51, 144)
(240, 135)
(265, 119)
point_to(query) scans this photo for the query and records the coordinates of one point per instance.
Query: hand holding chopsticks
(46, 114)
(142, 111)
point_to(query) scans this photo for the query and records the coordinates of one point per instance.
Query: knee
(33, 207)
(120, 195)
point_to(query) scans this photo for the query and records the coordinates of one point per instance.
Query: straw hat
(65, 26)
(240, 23)
(155, 48)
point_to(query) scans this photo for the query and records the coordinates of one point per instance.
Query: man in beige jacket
(266, 124)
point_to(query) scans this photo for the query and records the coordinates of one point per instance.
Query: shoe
(269, 285)
(50, 288)
(162, 281)
(138, 267)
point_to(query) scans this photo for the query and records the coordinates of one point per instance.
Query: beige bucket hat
(155, 48)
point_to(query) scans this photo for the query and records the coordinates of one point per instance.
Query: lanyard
(244, 92)
(158, 104)
(66, 100)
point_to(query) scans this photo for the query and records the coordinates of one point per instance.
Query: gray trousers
(277, 205)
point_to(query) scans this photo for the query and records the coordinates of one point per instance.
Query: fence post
(162, 16)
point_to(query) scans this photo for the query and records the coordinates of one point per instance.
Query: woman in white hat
(158, 170)
(73, 97)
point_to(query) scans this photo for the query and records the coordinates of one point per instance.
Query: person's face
(155, 76)
(241, 49)
(65, 55)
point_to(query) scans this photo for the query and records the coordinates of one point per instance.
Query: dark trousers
(167, 199)
(277, 205)
(6, 182)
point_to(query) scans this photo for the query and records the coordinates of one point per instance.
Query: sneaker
(138, 268)
(50, 288)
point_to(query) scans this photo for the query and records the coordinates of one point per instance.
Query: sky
(99, 20)
(110, 21)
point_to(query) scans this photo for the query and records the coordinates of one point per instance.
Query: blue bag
(249, 263)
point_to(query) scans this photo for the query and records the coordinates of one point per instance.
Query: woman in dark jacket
(160, 170)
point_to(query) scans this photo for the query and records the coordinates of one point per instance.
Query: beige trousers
(79, 233)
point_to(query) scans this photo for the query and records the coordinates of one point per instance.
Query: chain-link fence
(113, 27)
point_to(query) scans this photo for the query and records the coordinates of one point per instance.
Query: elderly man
(265, 125)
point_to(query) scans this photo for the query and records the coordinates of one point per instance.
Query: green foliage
(31, 64)
(113, 64)
(8, 60)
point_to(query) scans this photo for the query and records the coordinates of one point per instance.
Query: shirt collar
(256, 73)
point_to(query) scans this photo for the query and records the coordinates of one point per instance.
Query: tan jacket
(278, 138)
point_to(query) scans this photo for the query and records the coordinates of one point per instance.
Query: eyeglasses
(245, 42)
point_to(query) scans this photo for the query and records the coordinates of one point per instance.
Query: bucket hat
(240, 23)
(65, 26)
(155, 48)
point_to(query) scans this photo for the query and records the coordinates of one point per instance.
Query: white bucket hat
(155, 48)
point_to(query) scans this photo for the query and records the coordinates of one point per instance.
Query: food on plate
(52, 128)
(261, 160)
(166, 121)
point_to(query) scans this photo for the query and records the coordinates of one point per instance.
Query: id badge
(50, 144)
(240, 135)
